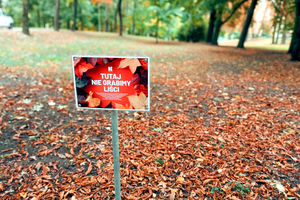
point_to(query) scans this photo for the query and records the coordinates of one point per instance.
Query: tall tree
(157, 20)
(212, 20)
(221, 8)
(99, 16)
(75, 5)
(247, 24)
(293, 39)
(25, 19)
(120, 17)
(133, 16)
(106, 3)
(56, 17)
(107, 17)
(295, 54)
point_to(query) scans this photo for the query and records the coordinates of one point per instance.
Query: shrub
(192, 33)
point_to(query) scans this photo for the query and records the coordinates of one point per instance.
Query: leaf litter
(224, 124)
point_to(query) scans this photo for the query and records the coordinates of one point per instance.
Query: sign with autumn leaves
(111, 83)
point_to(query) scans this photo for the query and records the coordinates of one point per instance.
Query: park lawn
(258, 43)
(224, 122)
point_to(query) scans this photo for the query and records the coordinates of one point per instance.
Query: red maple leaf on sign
(82, 67)
(144, 63)
(141, 88)
(108, 89)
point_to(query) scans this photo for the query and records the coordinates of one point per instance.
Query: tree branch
(237, 6)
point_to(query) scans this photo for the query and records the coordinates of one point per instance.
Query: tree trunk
(68, 24)
(25, 19)
(219, 22)
(283, 39)
(217, 30)
(279, 29)
(133, 17)
(247, 24)
(74, 27)
(296, 46)
(274, 32)
(156, 30)
(293, 38)
(106, 17)
(120, 17)
(56, 17)
(116, 19)
(38, 17)
(99, 17)
(212, 20)
(81, 20)
(157, 22)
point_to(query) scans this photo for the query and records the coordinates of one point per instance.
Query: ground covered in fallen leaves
(224, 122)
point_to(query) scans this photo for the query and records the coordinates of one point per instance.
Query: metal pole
(116, 156)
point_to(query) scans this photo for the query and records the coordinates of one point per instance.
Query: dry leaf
(138, 102)
(92, 102)
(132, 63)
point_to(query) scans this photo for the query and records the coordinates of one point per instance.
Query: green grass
(270, 47)
(259, 43)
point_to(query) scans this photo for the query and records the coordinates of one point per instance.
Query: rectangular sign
(112, 83)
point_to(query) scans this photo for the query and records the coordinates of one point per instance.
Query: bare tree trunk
(116, 19)
(293, 38)
(296, 46)
(81, 20)
(38, 17)
(56, 17)
(217, 30)
(212, 20)
(106, 17)
(274, 32)
(120, 17)
(133, 17)
(157, 28)
(99, 17)
(279, 29)
(74, 27)
(283, 39)
(157, 22)
(25, 19)
(247, 24)
(68, 24)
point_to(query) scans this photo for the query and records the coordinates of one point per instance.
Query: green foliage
(161, 162)
(243, 189)
(166, 19)
(14, 9)
(216, 189)
(192, 33)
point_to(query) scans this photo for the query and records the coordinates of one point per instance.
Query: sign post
(116, 156)
(112, 83)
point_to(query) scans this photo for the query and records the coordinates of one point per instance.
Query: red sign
(111, 83)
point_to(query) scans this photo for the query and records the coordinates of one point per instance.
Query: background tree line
(192, 20)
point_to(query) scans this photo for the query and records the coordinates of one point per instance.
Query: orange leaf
(89, 169)
(92, 102)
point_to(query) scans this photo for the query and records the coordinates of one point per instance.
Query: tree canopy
(196, 20)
